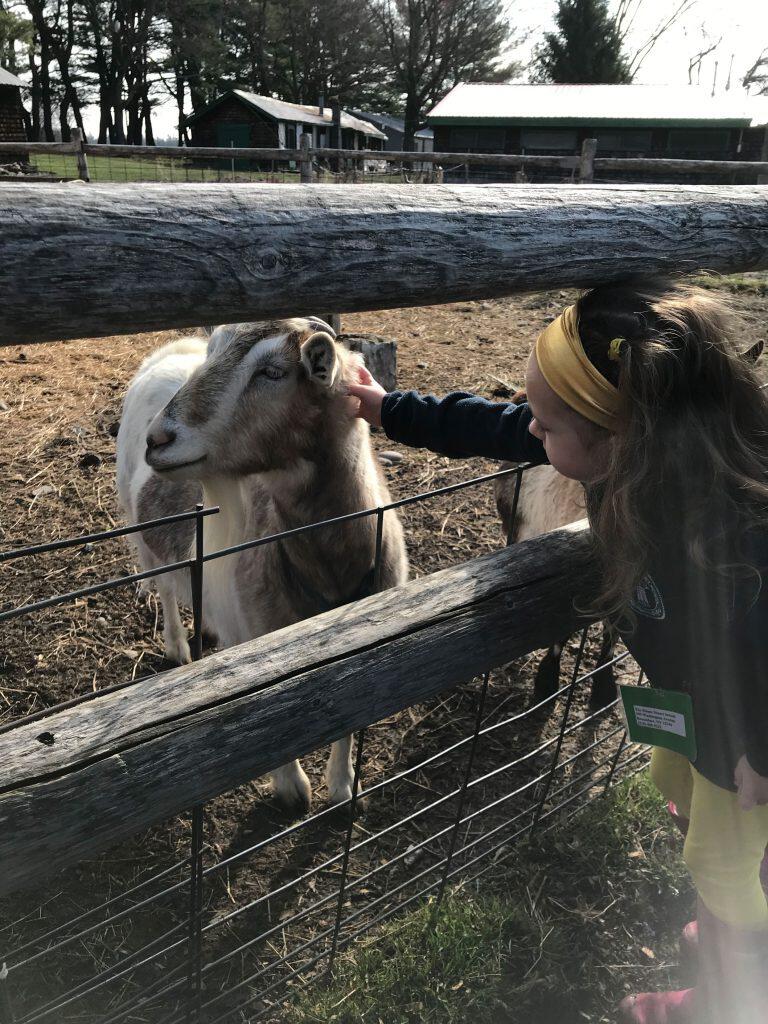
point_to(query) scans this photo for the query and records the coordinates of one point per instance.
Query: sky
(742, 24)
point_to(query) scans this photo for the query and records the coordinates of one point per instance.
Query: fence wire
(211, 934)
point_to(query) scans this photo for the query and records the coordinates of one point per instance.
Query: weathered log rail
(84, 777)
(110, 259)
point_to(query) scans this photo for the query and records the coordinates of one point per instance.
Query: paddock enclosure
(146, 875)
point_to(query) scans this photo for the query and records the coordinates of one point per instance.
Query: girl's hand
(370, 394)
(752, 788)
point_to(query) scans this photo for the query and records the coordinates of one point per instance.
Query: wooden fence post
(305, 165)
(762, 179)
(587, 161)
(76, 137)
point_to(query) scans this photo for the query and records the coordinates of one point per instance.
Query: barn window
(699, 141)
(490, 140)
(549, 139)
(463, 140)
(623, 141)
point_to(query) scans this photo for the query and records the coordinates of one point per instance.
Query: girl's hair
(691, 460)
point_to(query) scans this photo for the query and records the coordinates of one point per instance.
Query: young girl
(638, 391)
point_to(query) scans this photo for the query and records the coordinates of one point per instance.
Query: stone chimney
(321, 104)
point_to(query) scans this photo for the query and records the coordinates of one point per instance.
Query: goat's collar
(313, 598)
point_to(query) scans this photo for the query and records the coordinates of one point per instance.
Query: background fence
(112, 163)
(181, 931)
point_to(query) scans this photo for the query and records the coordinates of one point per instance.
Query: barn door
(238, 135)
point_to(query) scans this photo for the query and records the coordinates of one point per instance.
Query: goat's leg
(292, 787)
(175, 637)
(548, 672)
(339, 773)
(604, 681)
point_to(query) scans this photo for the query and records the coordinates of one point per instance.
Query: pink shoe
(659, 1008)
(682, 823)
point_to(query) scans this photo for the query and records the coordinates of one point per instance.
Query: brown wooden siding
(262, 134)
(11, 119)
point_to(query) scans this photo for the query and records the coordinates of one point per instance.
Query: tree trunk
(45, 92)
(179, 78)
(412, 115)
(34, 135)
(64, 118)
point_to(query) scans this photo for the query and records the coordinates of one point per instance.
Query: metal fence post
(76, 137)
(347, 846)
(195, 938)
(463, 793)
(561, 734)
(305, 165)
(587, 161)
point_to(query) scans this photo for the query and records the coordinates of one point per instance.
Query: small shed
(12, 127)
(240, 118)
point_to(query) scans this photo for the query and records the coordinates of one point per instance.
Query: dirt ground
(60, 407)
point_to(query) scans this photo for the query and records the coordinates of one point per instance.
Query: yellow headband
(568, 371)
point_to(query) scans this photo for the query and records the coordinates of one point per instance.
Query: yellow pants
(724, 846)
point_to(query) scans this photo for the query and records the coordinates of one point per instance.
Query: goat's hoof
(338, 794)
(178, 651)
(547, 678)
(295, 797)
(604, 690)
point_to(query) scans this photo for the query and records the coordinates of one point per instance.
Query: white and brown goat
(257, 421)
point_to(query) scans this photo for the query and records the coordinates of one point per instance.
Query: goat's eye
(273, 372)
(270, 371)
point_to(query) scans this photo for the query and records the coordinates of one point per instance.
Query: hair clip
(614, 349)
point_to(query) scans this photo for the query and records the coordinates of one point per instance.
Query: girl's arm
(460, 425)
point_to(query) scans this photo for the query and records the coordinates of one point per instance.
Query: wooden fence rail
(110, 259)
(87, 776)
(586, 159)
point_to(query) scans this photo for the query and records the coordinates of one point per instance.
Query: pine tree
(585, 48)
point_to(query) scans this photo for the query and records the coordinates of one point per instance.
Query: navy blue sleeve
(461, 425)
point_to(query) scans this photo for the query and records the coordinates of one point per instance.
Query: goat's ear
(319, 359)
(753, 354)
(218, 337)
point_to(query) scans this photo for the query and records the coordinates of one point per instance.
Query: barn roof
(6, 78)
(395, 123)
(592, 104)
(300, 113)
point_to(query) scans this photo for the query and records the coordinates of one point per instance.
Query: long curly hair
(691, 458)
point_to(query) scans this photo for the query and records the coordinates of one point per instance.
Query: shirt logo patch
(647, 599)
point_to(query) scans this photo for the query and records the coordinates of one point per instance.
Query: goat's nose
(159, 437)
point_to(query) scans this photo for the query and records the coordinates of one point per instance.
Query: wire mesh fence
(172, 927)
(185, 169)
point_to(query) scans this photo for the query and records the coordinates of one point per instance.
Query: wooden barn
(11, 111)
(685, 122)
(240, 118)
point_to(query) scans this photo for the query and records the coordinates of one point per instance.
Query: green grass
(102, 168)
(556, 933)
(117, 169)
(756, 283)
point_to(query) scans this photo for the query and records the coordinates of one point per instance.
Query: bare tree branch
(683, 7)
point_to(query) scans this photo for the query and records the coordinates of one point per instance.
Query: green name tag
(663, 718)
